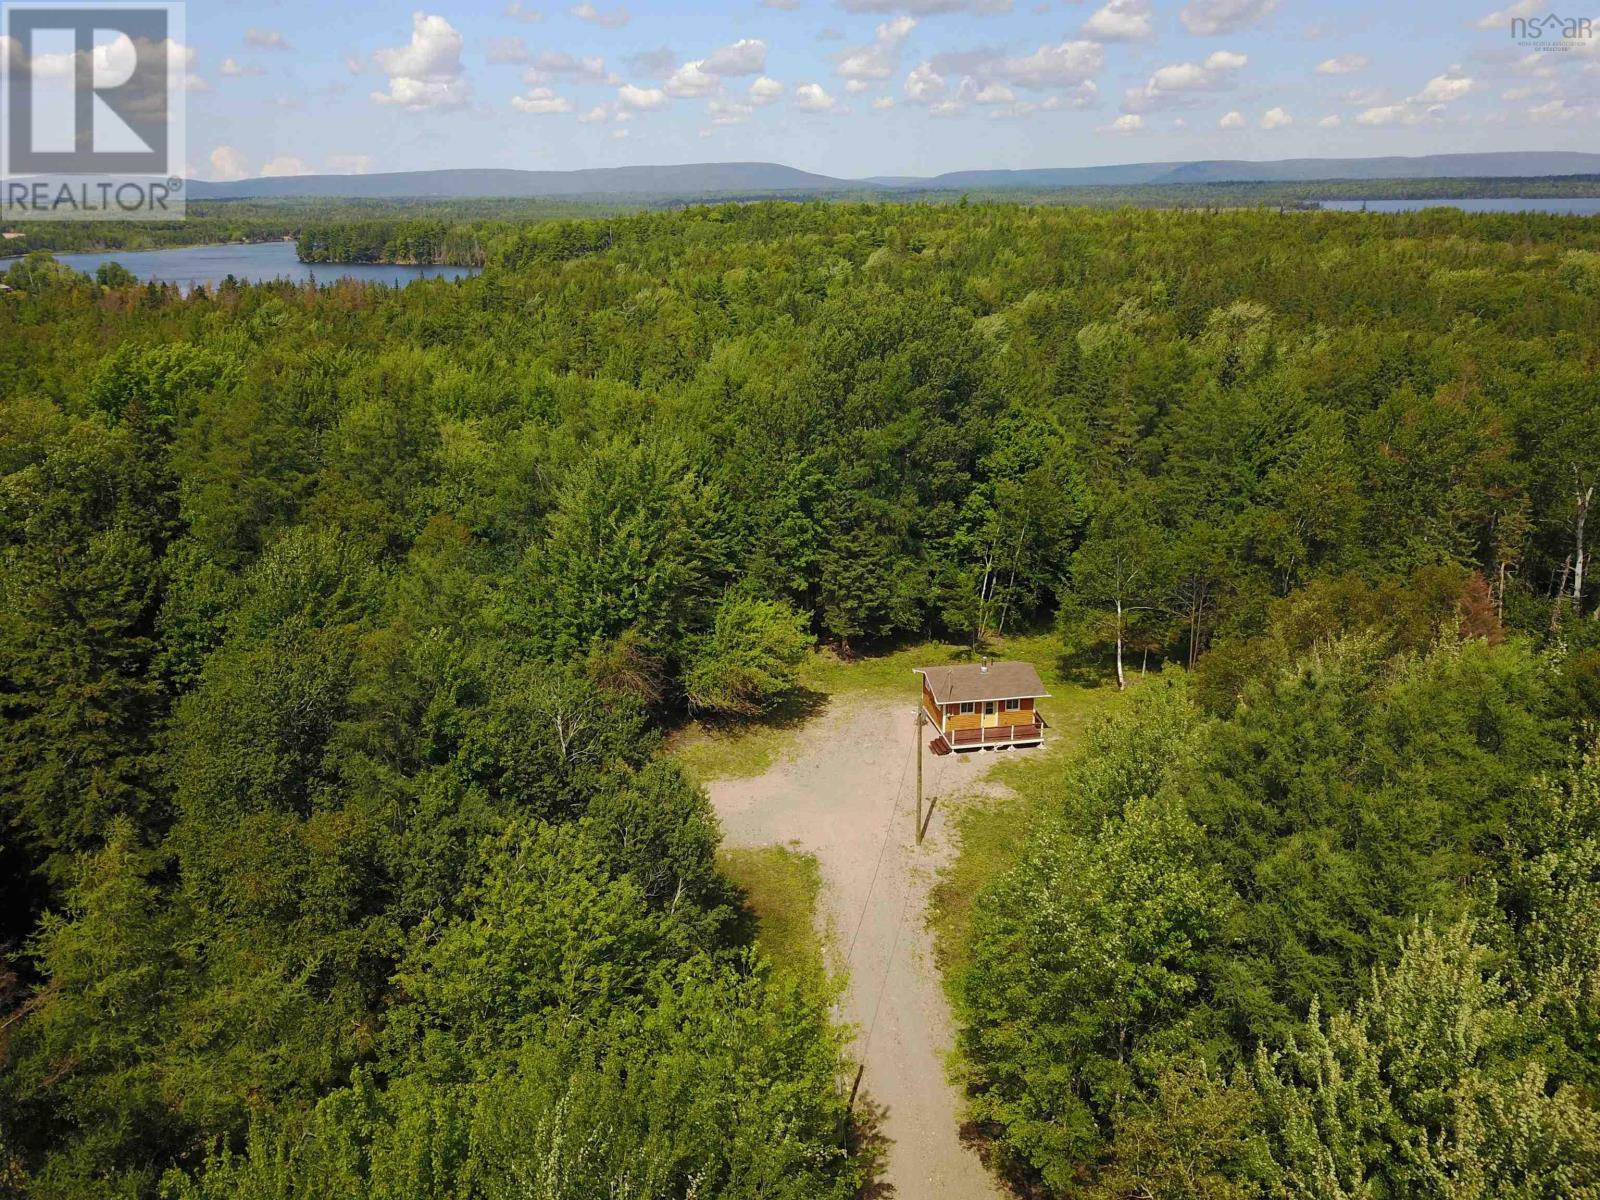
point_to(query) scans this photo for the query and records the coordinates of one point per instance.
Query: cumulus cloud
(1276, 118)
(1176, 85)
(1065, 65)
(541, 101)
(1119, 21)
(813, 98)
(1231, 120)
(926, 8)
(227, 163)
(880, 58)
(1211, 17)
(349, 164)
(558, 64)
(613, 18)
(747, 56)
(1343, 64)
(233, 69)
(1331, 121)
(425, 73)
(113, 63)
(728, 112)
(1502, 18)
(883, 102)
(265, 39)
(516, 11)
(1126, 123)
(1452, 85)
(924, 85)
(638, 99)
(690, 80)
(286, 165)
(1405, 113)
(764, 91)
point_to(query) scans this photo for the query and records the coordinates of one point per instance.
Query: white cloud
(233, 69)
(1405, 113)
(286, 165)
(883, 102)
(1065, 65)
(747, 56)
(1331, 121)
(426, 72)
(1210, 17)
(1446, 87)
(510, 50)
(994, 93)
(1558, 111)
(880, 59)
(619, 134)
(1231, 120)
(1276, 118)
(764, 91)
(856, 86)
(690, 80)
(812, 98)
(1503, 18)
(614, 18)
(923, 85)
(728, 112)
(265, 39)
(227, 163)
(1119, 21)
(596, 115)
(926, 8)
(1126, 123)
(782, 5)
(349, 164)
(516, 11)
(1343, 64)
(639, 99)
(113, 63)
(541, 101)
(1174, 85)
(559, 64)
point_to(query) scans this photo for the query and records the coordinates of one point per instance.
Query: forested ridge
(339, 626)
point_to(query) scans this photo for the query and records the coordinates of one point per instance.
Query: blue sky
(869, 87)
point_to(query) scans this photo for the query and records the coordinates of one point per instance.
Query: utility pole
(921, 717)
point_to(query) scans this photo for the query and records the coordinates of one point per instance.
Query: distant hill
(1288, 170)
(754, 179)
(688, 179)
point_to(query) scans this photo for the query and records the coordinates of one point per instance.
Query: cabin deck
(988, 739)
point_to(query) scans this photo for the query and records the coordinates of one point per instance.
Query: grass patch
(712, 750)
(991, 831)
(780, 888)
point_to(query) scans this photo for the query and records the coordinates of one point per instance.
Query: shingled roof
(982, 681)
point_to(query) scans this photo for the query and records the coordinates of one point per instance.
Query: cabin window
(1013, 705)
(988, 708)
(967, 707)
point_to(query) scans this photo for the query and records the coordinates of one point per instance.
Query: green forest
(341, 628)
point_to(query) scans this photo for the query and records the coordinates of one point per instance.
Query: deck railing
(996, 735)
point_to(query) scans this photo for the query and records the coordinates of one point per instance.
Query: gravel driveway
(851, 778)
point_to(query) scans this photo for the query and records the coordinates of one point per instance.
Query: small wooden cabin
(984, 704)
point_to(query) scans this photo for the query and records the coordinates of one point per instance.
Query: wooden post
(921, 717)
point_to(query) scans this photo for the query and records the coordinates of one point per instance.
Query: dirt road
(850, 780)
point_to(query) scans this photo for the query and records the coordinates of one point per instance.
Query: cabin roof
(983, 681)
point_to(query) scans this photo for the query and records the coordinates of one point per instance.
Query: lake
(260, 262)
(1574, 206)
